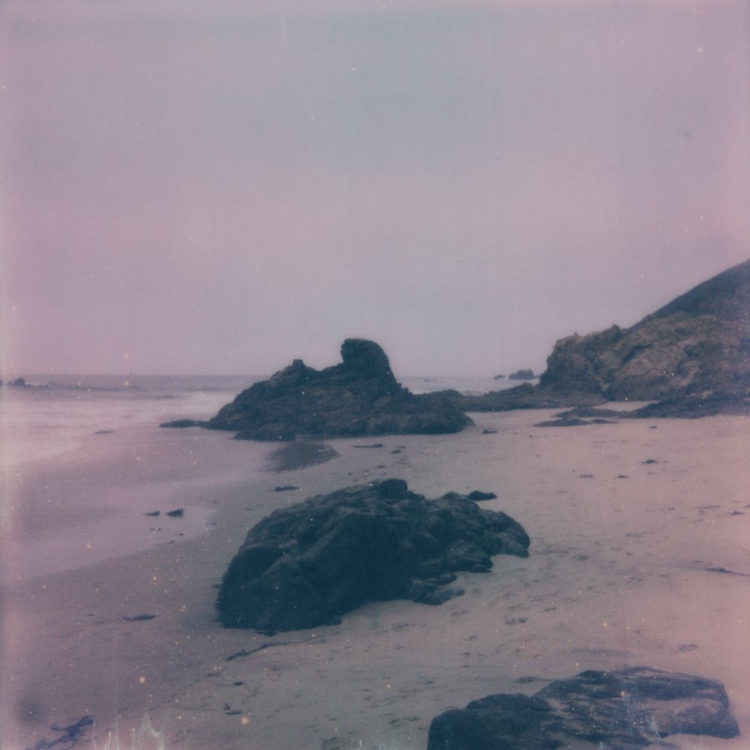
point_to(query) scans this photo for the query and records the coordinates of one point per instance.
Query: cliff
(698, 345)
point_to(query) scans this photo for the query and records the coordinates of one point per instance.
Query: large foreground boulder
(626, 709)
(696, 346)
(360, 396)
(308, 564)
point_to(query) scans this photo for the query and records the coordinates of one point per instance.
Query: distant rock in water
(521, 375)
(181, 423)
(628, 709)
(697, 346)
(308, 564)
(358, 397)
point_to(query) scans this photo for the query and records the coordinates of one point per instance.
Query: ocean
(52, 413)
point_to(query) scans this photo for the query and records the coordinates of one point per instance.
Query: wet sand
(640, 555)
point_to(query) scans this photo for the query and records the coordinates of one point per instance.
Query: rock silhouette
(626, 709)
(358, 397)
(691, 356)
(697, 346)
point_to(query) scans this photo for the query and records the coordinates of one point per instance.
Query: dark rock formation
(360, 396)
(692, 356)
(524, 396)
(308, 564)
(583, 415)
(626, 709)
(521, 375)
(681, 407)
(693, 407)
(697, 346)
(182, 423)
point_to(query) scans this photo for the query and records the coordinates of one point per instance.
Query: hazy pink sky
(220, 187)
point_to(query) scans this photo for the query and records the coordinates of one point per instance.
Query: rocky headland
(308, 564)
(358, 397)
(626, 709)
(698, 345)
(691, 356)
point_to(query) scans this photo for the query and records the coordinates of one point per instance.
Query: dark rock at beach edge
(694, 406)
(356, 398)
(626, 709)
(308, 564)
(524, 396)
(684, 407)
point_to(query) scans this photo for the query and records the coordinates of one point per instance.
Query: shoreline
(96, 501)
(624, 569)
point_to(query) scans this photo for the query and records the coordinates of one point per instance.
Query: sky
(218, 187)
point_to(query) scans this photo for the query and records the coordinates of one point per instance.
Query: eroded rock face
(306, 565)
(698, 344)
(620, 710)
(360, 396)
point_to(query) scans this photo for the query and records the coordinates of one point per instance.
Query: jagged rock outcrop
(696, 346)
(360, 396)
(308, 564)
(692, 356)
(626, 709)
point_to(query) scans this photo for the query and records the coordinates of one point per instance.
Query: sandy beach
(640, 555)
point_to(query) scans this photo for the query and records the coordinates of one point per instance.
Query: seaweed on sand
(69, 736)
